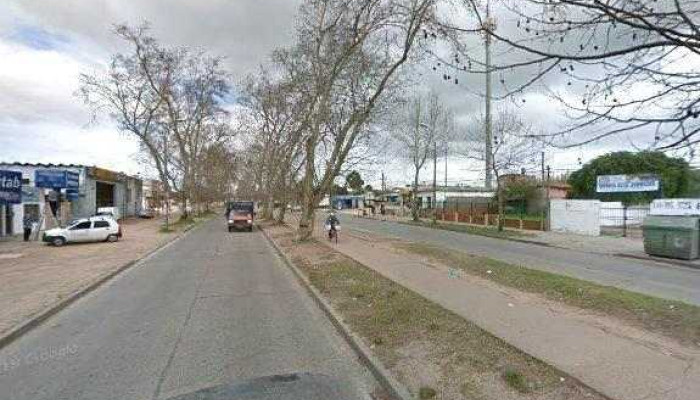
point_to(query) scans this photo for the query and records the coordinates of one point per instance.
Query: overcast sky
(46, 44)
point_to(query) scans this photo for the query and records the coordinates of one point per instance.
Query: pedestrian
(28, 223)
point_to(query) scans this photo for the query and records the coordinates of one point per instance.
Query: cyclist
(331, 223)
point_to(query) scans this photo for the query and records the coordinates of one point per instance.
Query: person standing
(28, 223)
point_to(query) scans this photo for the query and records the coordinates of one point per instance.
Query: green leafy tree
(354, 181)
(674, 174)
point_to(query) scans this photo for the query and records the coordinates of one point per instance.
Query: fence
(617, 219)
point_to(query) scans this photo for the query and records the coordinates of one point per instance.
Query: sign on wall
(675, 207)
(627, 183)
(10, 187)
(50, 178)
(72, 182)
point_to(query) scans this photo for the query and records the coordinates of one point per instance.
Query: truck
(240, 215)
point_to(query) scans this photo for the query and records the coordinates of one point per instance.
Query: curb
(661, 260)
(52, 310)
(668, 261)
(380, 373)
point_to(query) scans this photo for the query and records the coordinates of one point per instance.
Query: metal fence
(617, 219)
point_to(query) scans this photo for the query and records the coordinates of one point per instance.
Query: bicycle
(333, 234)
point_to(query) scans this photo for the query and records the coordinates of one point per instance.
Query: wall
(575, 216)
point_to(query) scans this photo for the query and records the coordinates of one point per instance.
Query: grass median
(186, 223)
(668, 317)
(471, 229)
(434, 352)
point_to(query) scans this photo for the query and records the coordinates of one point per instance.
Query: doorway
(104, 195)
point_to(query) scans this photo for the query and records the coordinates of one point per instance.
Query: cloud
(46, 44)
(38, 85)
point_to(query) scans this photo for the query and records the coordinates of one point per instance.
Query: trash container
(674, 237)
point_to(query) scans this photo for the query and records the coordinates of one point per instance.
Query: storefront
(10, 198)
(73, 191)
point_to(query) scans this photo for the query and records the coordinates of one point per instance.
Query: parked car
(93, 229)
(147, 213)
(109, 211)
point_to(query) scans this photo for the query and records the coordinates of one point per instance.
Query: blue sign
(72, 194)
(72, 183)
(10, 187)
(51, 178)
(72, 180)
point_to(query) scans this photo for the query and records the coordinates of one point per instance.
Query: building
(445, 195)
(345, 201)
(153, 195)
(96, 187)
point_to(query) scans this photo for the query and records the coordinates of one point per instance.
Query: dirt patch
(434, 352)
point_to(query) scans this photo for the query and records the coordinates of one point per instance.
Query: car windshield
(515, 190)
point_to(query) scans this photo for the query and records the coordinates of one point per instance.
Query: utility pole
(434, 178)
(488, 25)
(546, 198)
(444, 189)
(549, 170)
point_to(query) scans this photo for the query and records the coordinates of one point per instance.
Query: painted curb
(54, 309)
(380, 373)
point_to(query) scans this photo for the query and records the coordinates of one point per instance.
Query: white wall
(575, 216)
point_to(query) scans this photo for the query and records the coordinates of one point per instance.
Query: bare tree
(273, 109)
(620, 67)
(511, 150)
(168, 98)
(417, 137)
(346, 58)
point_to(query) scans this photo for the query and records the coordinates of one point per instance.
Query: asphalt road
(657, 279)
(213, 308)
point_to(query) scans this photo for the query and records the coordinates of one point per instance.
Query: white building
(447, 194)
(97, 187)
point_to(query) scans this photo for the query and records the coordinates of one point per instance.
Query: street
(656, 279)
(210, 309)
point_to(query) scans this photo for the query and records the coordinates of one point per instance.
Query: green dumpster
(675, 237)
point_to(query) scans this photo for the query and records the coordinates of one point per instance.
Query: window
(101, 224)
(82, 225)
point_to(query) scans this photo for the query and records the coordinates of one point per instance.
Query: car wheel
(112, 238)
(58, 241)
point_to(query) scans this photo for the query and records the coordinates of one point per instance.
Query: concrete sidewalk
(619, 360)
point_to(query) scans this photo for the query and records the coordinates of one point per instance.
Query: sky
(46, 44)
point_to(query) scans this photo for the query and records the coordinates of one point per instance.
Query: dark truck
(240, 215)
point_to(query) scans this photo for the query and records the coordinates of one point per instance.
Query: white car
(93, 229)
(109, 212)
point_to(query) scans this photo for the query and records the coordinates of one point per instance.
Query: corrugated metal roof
(43, 165)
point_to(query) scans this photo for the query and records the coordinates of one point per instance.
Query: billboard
(627, 183)
(10, 187)
(675, 207)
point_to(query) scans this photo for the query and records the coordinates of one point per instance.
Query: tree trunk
(308, 205)
(414, 200)
(281, 213)
(501, 206)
